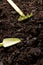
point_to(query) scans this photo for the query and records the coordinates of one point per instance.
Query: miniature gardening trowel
(9, 42)
(22, 15)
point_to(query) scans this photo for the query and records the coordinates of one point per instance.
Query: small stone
(1, 63)
(13, 12)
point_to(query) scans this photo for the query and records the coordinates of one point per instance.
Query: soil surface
(30, 50)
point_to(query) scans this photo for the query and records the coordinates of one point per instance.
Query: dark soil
(30, 50)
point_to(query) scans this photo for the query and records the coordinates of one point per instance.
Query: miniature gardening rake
(9, 42)
(22, 15)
